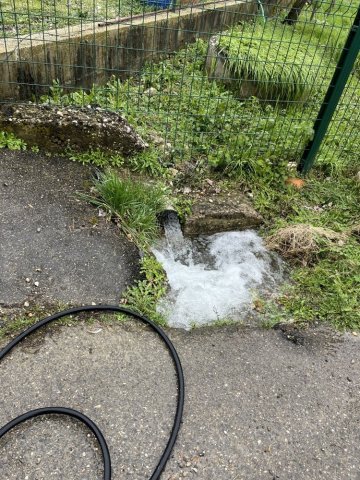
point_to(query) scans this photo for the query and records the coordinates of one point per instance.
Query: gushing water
(214, 277)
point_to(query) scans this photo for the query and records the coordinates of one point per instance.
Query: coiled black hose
(78, 415)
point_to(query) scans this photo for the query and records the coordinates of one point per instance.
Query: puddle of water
(214, 277)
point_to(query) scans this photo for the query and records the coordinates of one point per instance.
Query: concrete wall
(79, 57)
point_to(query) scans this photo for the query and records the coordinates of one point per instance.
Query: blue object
(159, 3)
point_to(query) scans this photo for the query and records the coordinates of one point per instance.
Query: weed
(22, 320)
(270, 321)
(10, 141)
(16, 325)
(182, 206)
(148, 162)
(97, 157)
(144, 296)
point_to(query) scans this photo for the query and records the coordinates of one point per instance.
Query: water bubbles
(214, 277)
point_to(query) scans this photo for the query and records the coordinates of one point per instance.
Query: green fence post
(332, 97)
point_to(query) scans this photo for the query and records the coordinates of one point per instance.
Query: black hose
(89, 423)
(72, 413)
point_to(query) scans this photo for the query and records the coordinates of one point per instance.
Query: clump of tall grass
(134, 205)
(280, 66)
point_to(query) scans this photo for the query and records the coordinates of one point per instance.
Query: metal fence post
(332, 97)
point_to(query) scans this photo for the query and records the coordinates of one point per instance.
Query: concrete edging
(80, 56)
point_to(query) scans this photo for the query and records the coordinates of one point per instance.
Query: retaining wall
(82, 55)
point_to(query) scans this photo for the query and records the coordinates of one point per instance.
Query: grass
(19, 17)
(328, 288)
(16, 325)
(278, 64)
(134, 205)
(328, 29)
(329, 291)
(22, 321)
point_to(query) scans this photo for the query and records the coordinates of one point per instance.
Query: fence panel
(234, 84)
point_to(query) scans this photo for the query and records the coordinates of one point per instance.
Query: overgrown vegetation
(196, 124)
(324, 284)
(205, 124)
(328, 291)
(202, 121)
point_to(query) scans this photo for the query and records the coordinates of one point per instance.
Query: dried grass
(302, 243)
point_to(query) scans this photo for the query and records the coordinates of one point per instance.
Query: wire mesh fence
(232, 84)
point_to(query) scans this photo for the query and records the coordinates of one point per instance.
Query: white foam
(218, 279)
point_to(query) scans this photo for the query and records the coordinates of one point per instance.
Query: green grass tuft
(279, 64)
(134, 205)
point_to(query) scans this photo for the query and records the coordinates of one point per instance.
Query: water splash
(214, 277)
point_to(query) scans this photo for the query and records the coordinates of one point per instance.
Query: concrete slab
(49, 236)
(257, 405)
